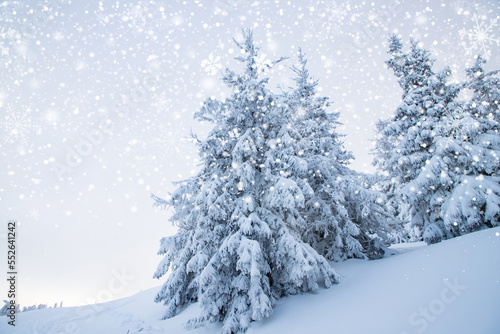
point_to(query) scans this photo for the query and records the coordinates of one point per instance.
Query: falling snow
(106, 90)
(211, 64)
(34, 213)
(136, 14)
(6, 37)
(162, 102)
(481, 38)
(171, 140)
(17, 126)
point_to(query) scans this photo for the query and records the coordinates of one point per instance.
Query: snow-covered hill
(451, 287)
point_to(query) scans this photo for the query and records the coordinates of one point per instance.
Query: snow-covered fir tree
(458, 191)
(412, 69)
(5, 308)
(387, 182)
(344, 217)
(485, 102)
(238, 247)
(404, 143)
(428, 151)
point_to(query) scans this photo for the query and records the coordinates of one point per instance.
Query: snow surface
(450, 287)
(64, 66)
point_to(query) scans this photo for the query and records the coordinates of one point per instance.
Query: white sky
(64, 65)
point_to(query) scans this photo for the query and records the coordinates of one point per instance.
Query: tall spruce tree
(406, 142)
(400, 149)
(345, 218)
(238, 247)
(458, 191)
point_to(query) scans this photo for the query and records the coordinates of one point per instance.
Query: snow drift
(449, 287)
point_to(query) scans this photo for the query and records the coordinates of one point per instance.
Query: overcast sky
(96, 98)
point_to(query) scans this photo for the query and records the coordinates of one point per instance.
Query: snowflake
(136, 14)
(7, 10)
(17, 125)
(101, 17)
(171, 140)
(6, 37)
(331, 12)
(324, 18)
(481, 36)
(212, 64)
(161, 102)
(34, 213)
(335, 13)
(459, 126)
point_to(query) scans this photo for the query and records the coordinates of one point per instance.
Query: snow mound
(449, 287)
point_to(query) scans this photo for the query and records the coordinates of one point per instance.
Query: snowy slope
(451, 287)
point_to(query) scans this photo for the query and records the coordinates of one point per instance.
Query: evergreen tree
(238, 247)
(485, 102)
(458, 191)
(4, 309)
(387, 180)
(406, 142)
(344, 217)
(412, 69)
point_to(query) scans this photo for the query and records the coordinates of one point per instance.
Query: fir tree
(238, 247)
(345, 218)
(412, 69)
(4, 309)
(458, 191)
(406, 142)
(485, 102)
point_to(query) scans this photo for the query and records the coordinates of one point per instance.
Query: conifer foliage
(239, 242)
(345, 218)
(458, 191)
(412, 68)
(440, 155)
(401, 149)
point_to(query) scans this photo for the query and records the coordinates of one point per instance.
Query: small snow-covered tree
(4, 309)
(345, 218)
(458, 191)
(238, 247)
(485, 102)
